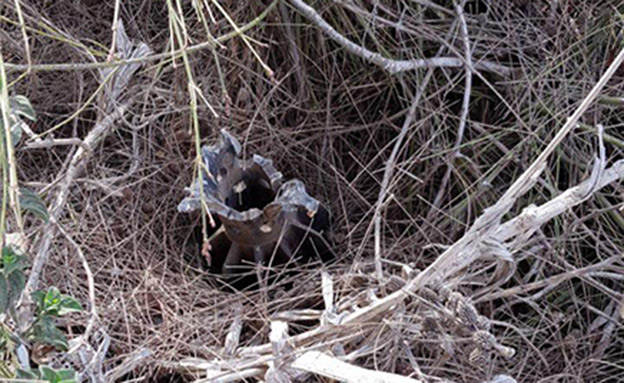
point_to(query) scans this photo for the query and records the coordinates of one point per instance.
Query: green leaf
(52, 299)
(17, 282)
(21, 105)
(53, 303)
(69, 305)
(27, 374)
(17, 127)
(48, 302)
(45, 331)
(4, 294)
(37, 298)
(48, 374)
(11, 261)
(66, 376)
(30, 201)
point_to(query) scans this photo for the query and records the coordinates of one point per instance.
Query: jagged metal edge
(266, 164)
(290, 195)
(212, 157)
(293, 194)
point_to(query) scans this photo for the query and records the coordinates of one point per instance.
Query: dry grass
(330, 119)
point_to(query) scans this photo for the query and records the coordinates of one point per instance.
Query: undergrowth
(290, 93)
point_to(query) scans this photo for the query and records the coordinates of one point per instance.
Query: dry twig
(463, 118)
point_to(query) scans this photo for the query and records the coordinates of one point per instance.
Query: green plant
(14, 111)
(49, 304)
(12, 279)
(47, 374)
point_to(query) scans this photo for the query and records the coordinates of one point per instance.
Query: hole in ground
(252, 191)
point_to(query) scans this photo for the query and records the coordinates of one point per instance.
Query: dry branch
(389, 171)
(391, 163)
(325, 365)
(58, 207)
(233, 337)
(131, 362)
(533, 217)
(91, 284)
(528, 179)
(115, 111)
(390, 65)
(49, 143)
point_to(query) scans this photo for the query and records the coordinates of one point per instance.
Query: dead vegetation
(474, 183)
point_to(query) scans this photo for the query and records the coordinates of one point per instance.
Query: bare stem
(111, 52)
(20, 17)
(464, 111)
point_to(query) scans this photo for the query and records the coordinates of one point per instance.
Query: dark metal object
(265, 220)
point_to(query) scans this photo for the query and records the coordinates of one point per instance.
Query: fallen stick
(49, 143)
(534, 217)
(330, 367)
(129, 364)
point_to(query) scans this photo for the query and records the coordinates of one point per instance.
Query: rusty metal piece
(265, 220)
